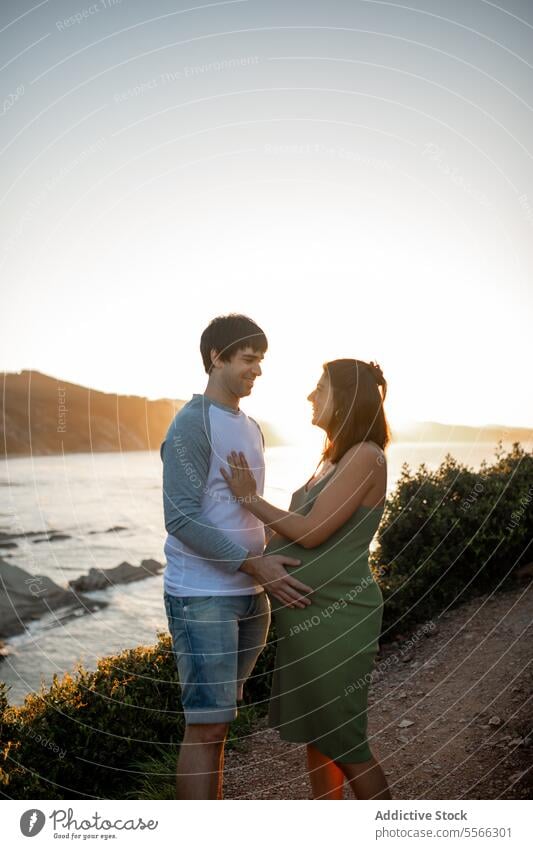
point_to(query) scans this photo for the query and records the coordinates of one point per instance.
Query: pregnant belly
(281, 545)
(339, 578)
(353, 628)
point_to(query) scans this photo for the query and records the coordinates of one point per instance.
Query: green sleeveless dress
(325, 652)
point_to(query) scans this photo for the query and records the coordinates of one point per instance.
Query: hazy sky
(357, 176)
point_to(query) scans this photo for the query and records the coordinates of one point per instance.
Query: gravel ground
(450, 713)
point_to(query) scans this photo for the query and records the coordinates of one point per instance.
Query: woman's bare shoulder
(367, 452)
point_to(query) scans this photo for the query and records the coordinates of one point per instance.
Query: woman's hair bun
(378, 375)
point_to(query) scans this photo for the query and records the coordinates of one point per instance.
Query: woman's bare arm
(357, 473)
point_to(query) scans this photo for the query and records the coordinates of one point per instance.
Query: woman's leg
(367, 780)
(327, 780)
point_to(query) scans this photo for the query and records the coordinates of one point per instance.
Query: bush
(97, 734)
(77, 738)
(451, 533)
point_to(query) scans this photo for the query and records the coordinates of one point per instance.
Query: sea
(82, 496)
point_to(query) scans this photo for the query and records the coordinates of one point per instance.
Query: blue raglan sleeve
(185, 454)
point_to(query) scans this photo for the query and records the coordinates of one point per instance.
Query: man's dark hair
(228, 334)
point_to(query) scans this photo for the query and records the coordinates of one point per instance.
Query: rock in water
(25, 597)
(54, 537)
(124, 573)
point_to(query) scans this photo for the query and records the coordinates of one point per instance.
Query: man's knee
(215, 732)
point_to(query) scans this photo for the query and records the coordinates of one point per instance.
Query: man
(214, 580)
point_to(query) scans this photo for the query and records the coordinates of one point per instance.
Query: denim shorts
(216, 641)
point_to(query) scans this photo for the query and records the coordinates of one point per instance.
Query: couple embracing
(221, 582)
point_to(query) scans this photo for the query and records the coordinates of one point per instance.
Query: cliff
(46, 415)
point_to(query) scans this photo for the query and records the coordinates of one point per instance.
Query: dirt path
(465, 689)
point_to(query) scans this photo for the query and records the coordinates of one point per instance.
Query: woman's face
(322, 400)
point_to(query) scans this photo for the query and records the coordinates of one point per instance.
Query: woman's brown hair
(359, 390)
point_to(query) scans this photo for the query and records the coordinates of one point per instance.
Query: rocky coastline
(26, 598)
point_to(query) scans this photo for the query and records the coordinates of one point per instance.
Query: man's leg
(253, 632)
(201, 762)
(205, 637)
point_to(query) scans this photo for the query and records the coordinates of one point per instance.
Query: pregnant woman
(325, 652)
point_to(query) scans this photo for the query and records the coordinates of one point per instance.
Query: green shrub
(78, 737)
(98, 734)
(451, 533)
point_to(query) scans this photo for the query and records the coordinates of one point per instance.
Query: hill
(46, 415)
(439, 432)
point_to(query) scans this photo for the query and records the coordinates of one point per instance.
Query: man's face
(239, 373)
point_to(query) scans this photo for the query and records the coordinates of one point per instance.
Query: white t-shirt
(210, 533)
